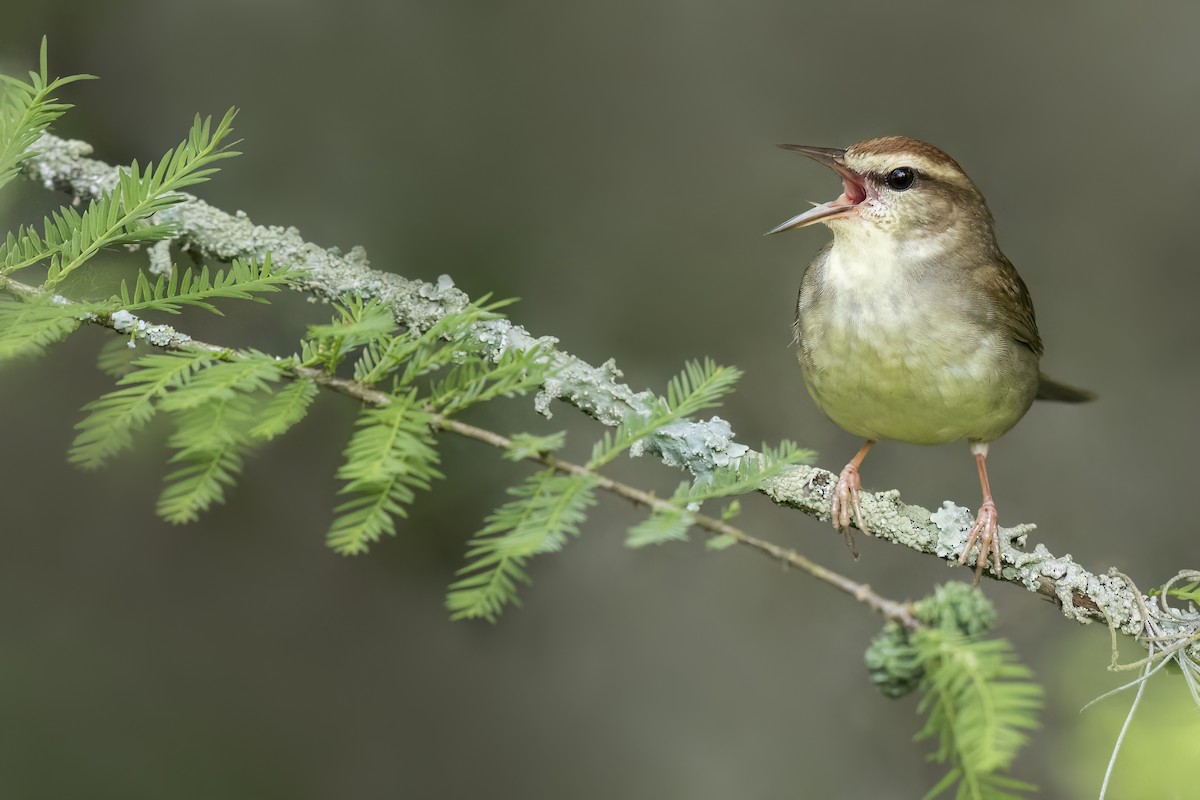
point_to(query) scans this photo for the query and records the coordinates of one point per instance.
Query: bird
(911, 324)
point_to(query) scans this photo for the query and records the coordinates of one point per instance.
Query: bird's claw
(986, 530)
(846, 503)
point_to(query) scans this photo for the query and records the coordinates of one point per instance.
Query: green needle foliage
(980, 701)
(664, 524)
(222, 381)
(244, 280)
(113, 419)
(210, 442)
(286, 408)
(28, 327)
(526, 445)
(26, 111)
(360, 324)
(390, 456)
(547, 508)
(213, 409)
(116, 357)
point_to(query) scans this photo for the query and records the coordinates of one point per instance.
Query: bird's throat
(867, 258)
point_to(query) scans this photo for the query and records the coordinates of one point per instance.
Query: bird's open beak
(854, 189)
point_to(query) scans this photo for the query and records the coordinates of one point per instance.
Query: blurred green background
(613, 165)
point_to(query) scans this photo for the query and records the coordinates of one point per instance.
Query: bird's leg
(845, 498)
(985, 528)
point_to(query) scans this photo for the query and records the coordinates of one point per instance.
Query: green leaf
(29, 327)
(548, 507)
(244, 280)
(26, 247)
(26, 111)
(390, 456)
(286, 408)
(222, 381)
(663, 525)
(1189, 592)
(494, 584)
(114, 418)
(117, 357)
(701, 385)
(721, 542)
(359, 323)
(526, 445)
(193, 488)
(980, 702)
(211, 441)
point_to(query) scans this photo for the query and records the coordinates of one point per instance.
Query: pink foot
(845, 503)
(985, 530)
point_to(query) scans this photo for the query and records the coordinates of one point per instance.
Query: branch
(696, 446)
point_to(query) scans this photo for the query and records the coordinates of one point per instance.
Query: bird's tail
(1050, 389)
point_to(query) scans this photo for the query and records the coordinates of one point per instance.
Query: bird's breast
(890, 351)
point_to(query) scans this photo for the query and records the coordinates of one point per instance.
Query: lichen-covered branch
(696, 446)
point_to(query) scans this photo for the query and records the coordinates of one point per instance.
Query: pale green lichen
(159, 255)
(158, 335)
(699, 447)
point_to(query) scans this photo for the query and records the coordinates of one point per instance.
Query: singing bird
(911, 324)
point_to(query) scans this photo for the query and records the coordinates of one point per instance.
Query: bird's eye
(901, 178)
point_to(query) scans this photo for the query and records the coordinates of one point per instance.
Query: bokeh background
(613, 165)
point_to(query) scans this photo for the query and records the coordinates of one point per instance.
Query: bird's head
(895, 185)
